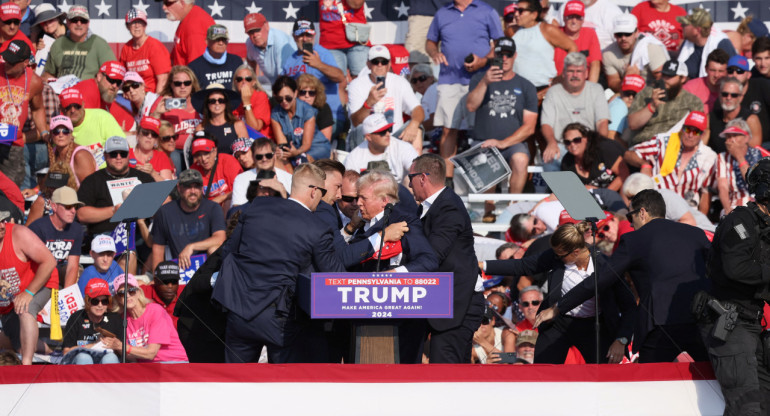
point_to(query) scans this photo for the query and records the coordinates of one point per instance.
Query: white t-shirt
(241, 184)
(399, 156)
(429, 101)
(399, 99)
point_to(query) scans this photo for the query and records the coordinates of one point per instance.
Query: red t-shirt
(227, 169)
(159, 160)
(18, 35)
(332, 28)
(587, 41)
(150, 293)
(11, 191)
(14, 101)
(184, 122)
(149, 61)
(260, 107)
(93, 99)
(662, 25)
(190, 36)
(16, 275)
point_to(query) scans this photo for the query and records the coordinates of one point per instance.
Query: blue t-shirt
(294, 67)
(618, 115)
(90, 272)
(294, 127)
(175, 228)
(61, 244)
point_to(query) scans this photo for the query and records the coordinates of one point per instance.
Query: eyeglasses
(624, 35)
(349, 199)
(15, 22)
(604, 230)
(168, 3)
(78, 20)
(323, 191)
(180, 83)
(576, 140)
(525, 304)
(112, 81)
(211, 101)
(60, 130)
(287, 98)
(131, 86)
(97, 301)
(412, 175)
(116, 153)
(131, 291)
(734, 70)
(73, 107)
(168, 138)
(421, 78)
(628, 94)
(630, 215)
(520, 11)
(309, 93)
(573, 16)
(267, 156)
(505, 54)
(149, 133)
(692, 130)
(730, 94)
(69, 207)
(241, 79)
(379, 61)
(384, 132)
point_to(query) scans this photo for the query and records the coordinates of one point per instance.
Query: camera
(176, 103)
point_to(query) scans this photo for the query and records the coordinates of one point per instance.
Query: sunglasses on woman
(168, 138)
(131, 291)
(60, 130)
(180, 83)
(576, 140)
(287, 98)
(309, 93)
(97, 301)
(149, 133)
(131, 86)
(216, 101)
(241, 79)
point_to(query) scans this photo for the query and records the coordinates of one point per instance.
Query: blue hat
(738, 61)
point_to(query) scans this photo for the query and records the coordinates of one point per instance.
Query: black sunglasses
(733, 70)
(97, 301)
(241, 79)
(505, 54)
(116, 153)
(131, 291)
(379, 61)
(60, 130)
(533, 303)
(624, 35)
(730, 94)
(349, 199)
(112, 80)
(508, 18)
(267, 156)
(78, 20)
(384, 132)
(412, 175)
(576, 140)
(73, 107)
(149, 133)
(287, 98)
(216, 101)
(168, 138)
(421, 78)
(12, 22)
(628, 94)
(630, 215)
(180, 83)
(323, 190)
(309, 93)
(131, 86)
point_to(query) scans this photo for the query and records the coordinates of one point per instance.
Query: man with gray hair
(424, 83)
(529, 302)
(677, 209)
(734, 163)
(731, 93)
(190, 37)
(574, 100)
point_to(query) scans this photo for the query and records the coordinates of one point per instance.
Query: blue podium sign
(381, 295)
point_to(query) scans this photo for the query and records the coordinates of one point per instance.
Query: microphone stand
(385, 219)
(594, 230)
(128, 222)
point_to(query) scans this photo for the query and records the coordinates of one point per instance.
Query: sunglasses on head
(575, 140)
(349, 199)
(267, 156)
(73, 107)
(130, 86)
(216, 101)
(533, 303)
(379, 61)
(309, 93)
(97, 301)
(323, 190)
(168, 138)
(116, 153)
(60, 130)
(241, 79)
(112, 80)
(180, 83)
(734, 70)
(287, 98)
(421, 78)
(131, 291)
(730, 94)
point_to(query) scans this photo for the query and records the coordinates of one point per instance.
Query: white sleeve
(408, 97)
(357, 94)
(240, 185)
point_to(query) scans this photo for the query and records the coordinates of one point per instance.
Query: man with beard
(658, 107)
(188, 226)
(165, 287)
(190, 36)
(102, 92)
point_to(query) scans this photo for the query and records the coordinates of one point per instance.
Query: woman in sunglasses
(313, 92)
(150, 334)
(181, 84)
(567, 263)
(167, 141)
(142, 102)
(256, 110)
(89, 329)
(66, 156)
(294, 125)
(145, 156)
(216, 104)
(597, 161)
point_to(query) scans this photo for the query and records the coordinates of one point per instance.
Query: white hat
(376, 123)
(379, 51)
(102, 243)
(624, 23)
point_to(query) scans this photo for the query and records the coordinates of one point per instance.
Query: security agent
(730, 321)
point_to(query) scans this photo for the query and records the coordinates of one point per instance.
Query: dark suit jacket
(617, 302)
(448, 229)
(275, 241)
(349, 254)
(667, 263)
(418, 256)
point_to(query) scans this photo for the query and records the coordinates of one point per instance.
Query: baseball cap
(565, 218)
(66, 196)
(10, 11)
(116, 143)
(190, 176)
(633, 83)
(45, 12)
(302, 26)
(624, 23)
(376, 123)
(379, 51)
(103, 243)
(526, 336)
(510, 9)
(575, 8)
(167, 272)
(698, 17)
(738, 61)
(136, 14)
(150, 123)
(505, 45)
(253, 21)
(97, 287)
(113, 69)
(70, 96)
(60, 120)
(78, 11)
(56, 180)
(132, 76)
(121, 280)
(217, 32)
(673, 67)
(696, 119)
(203, 145)
(733, 130)
(241, 144)
(17, 51)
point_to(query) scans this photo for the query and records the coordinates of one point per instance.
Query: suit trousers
(453, 346)
(244, 339)
(665, 342)
(554, 340)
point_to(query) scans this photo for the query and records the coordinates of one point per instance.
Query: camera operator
(740, 271)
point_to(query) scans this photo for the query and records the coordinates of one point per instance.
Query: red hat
(733, 130)
(608, 216)
(70, 96)
(696, 119)
(253, 21)
(565, 218)
(9, 11)
(510, 9)
(633, 83)
(97, 287)
(150, 123)
(399, 59)
(203, 145)
(113, 69)
(574, 7)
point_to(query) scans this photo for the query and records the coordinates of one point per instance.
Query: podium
(375, 303)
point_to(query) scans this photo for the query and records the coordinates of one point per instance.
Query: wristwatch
(247, 107)
(623, 340)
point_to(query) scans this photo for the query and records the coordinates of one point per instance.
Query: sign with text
(196, 261)
(381, 295)
(481, 167)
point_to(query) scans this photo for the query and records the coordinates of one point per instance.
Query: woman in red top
(145, 54)
(145, 156)
(182, 84)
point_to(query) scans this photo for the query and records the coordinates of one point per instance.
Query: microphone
(388, 209)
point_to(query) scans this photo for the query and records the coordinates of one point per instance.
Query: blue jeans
(85, 359)
(36, 156)
(353, 58)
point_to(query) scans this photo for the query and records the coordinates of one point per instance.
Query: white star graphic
(141, 6)
(402, 10)
(104, 9)
(216, 9)
(64, 6)
(368, 11)
(253, 8)
(291, 11)
(701, 6)
(740, 11)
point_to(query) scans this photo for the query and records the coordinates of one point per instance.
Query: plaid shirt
(51, 105)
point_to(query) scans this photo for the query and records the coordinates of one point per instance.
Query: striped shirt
(698, 176)
(739, 194)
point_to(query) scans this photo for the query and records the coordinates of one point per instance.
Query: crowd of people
(291, 158)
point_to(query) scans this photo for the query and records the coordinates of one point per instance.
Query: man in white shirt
(379, 145)
(264, 151)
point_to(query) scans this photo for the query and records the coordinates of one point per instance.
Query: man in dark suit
(447, 226)
(257, 282)
(667, 263)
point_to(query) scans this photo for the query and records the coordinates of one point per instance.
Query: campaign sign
(381, 295)
(8, 133)
(482, 168)
(196, 262)
(120, 235)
